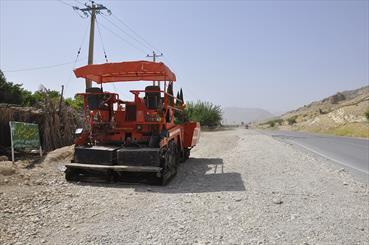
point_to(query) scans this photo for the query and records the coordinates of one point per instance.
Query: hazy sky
(275, 55)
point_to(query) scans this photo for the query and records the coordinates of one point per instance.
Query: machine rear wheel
(186, 154)
(170, 163)
(71, 175)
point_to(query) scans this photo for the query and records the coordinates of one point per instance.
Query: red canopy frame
(126, 72)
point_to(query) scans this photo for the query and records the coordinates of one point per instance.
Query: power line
(133, 31)
(76, 60)
(65, 3)
(83, 38)
(40, 67)
(77, 1)
(54, 65)
(128, 34)
(102, 42)
(124, 40)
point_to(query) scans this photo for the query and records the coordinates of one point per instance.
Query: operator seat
(152, 99)
(94, 100)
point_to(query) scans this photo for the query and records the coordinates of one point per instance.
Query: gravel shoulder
(239, 187)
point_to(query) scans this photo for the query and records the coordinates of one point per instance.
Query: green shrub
(367, 114)
(274, 122)
(291, 120)
(12, 93)
(76, 103)
(279, 121)
(204, 112)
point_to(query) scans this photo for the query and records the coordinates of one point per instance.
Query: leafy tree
(9, 92)
(12, 93)
(76, 103)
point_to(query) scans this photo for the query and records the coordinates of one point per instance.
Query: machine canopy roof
(125, 72)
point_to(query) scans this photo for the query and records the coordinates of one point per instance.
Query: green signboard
(24, 135)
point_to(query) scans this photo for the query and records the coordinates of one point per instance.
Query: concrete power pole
(153, 56)
(92, 10)
(91, 42)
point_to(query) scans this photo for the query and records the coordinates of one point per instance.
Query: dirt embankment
(239, 187)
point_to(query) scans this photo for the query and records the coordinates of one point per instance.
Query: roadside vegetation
(12, 93)
(291, 120)
(57, 121)
(206, 113)
(367, 114)
(275, 122)
(76, 103)
(351, 130)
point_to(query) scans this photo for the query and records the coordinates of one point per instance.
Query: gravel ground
(239, 187)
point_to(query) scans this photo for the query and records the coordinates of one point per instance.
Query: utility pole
(91, 10)
(91, 42)
(153, 56)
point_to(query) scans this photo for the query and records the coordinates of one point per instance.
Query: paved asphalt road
(351, 152)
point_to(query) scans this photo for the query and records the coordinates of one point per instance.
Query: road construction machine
(147, 135)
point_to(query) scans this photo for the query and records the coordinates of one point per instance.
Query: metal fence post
(11, 140)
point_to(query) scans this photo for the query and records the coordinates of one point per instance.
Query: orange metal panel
(126, 71)
(191, 134)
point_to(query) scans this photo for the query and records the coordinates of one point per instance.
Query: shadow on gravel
(196, 175)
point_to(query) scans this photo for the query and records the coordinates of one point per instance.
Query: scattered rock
(341, 170)
(277, 200)
(7, 170)
(294, 216)
(238, 199)
(4, 158)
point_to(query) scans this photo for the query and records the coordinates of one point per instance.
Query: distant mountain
(236, 115)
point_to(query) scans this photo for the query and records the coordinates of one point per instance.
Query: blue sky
(275, 55)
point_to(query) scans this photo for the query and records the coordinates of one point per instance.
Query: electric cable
(138, 35)
(65, 3)
(101, 40)
(76, 60)
(128, 34)
(124, 40)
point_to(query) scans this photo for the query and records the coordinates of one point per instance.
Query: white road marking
(326, 156)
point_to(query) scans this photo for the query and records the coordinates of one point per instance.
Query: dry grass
(352, 129)
(56, 127)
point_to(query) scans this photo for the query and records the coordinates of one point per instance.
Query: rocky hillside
(341, 114)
